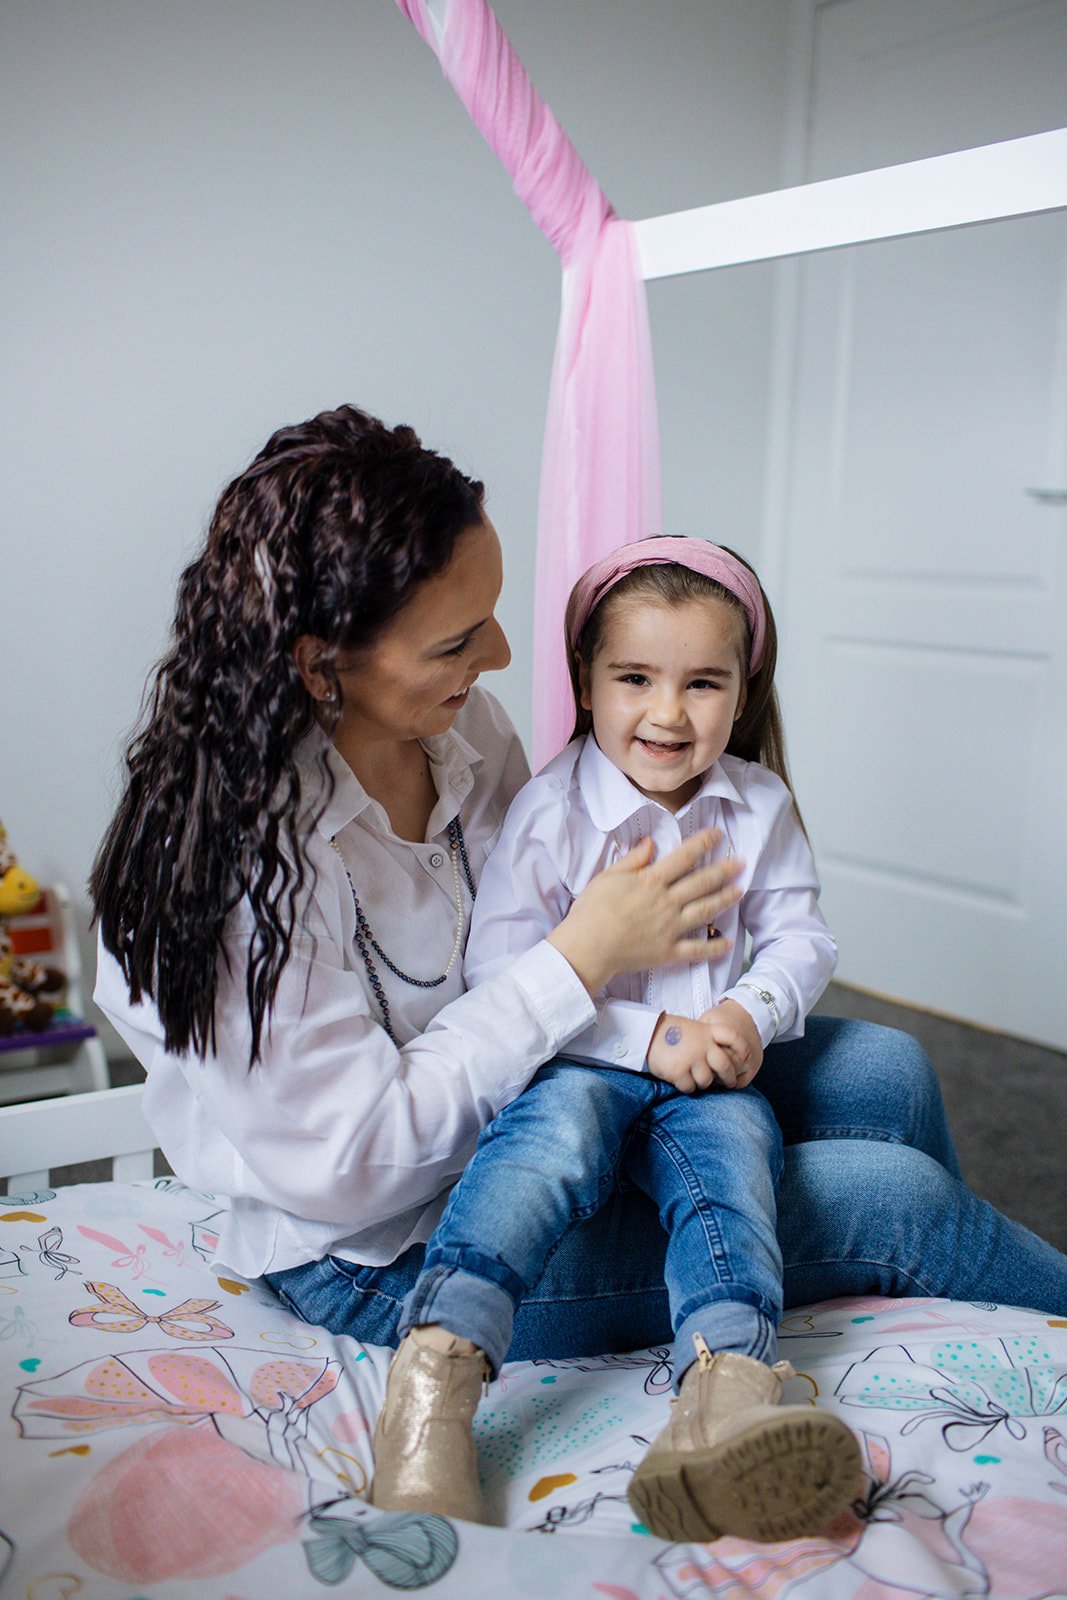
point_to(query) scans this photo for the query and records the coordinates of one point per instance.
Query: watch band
(767, 998)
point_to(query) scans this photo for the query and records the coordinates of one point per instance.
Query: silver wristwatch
(767, 998)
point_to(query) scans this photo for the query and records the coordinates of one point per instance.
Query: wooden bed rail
(43, 1134)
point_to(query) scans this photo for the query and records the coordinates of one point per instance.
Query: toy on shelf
(47, 1046)
(29, 992)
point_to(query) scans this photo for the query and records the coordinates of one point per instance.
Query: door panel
(924, 659)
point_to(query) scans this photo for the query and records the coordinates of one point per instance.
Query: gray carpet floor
(1006, 1100)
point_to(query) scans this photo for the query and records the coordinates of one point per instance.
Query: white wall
(223, 215)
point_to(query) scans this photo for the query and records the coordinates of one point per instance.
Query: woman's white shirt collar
(453, 761)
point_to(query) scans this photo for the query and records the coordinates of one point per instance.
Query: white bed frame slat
(43, 1134)
(1016, 177)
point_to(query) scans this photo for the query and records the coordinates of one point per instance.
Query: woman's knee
(861, 1080)
(868, 1048)
(901, 1060)
(909, 1104)
(842, 1197)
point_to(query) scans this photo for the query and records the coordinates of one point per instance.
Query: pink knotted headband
(696, 554)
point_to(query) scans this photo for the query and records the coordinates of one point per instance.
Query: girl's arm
(793, 954)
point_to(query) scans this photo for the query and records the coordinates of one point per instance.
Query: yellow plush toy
(24, 985)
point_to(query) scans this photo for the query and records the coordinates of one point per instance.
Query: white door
(924, 592)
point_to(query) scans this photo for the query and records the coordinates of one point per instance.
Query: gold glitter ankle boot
(732, 1460)
(424, 1453)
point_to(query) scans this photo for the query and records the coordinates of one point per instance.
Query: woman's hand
(642, 913)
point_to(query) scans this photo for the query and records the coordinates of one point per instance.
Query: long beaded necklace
(366, 942)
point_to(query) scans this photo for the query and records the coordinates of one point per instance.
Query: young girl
(673, 649)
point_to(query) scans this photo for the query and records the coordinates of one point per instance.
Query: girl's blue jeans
(870, 1202)
(710, 1162)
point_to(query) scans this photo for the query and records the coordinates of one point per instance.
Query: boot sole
(783, 1478)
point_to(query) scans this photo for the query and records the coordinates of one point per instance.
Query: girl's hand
(641, 913)
(735, 1033)
(684, 1054)
(723, 1046)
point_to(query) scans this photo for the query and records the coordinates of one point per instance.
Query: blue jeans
(870, 1202)
(550, 1159)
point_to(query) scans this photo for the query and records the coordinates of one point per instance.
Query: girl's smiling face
(664, 688)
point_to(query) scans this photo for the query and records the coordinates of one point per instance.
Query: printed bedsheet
(171, 1433)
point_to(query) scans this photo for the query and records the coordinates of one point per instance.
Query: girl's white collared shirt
(336, 1142)
(579, 815)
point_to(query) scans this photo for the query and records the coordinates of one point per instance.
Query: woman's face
(415, 677)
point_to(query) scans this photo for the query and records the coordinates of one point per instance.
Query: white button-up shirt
(336, 1141)
(579, 815)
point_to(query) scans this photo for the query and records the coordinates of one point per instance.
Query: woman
(283, 898)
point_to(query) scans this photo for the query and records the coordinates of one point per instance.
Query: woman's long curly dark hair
(329, 532)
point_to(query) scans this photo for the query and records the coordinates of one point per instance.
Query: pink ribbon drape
(600, 472)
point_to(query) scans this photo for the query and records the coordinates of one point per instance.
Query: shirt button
(437, 859)
(619, 1049)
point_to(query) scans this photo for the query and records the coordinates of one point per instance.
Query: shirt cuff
(766, 1017)
(619, 1037)
(554, 991)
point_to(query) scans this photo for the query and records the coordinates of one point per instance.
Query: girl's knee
(752, 1110)
(741, 1116)
(567, 1117)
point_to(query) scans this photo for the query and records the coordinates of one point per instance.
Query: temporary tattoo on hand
(673, 1035)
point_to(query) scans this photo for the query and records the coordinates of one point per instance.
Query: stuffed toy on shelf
(29, 992)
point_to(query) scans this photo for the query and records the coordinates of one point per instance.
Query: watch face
(767, 998)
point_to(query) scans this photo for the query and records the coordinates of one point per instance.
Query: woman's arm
(335, 1123)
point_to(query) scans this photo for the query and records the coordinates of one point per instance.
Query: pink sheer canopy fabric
(600, 472)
